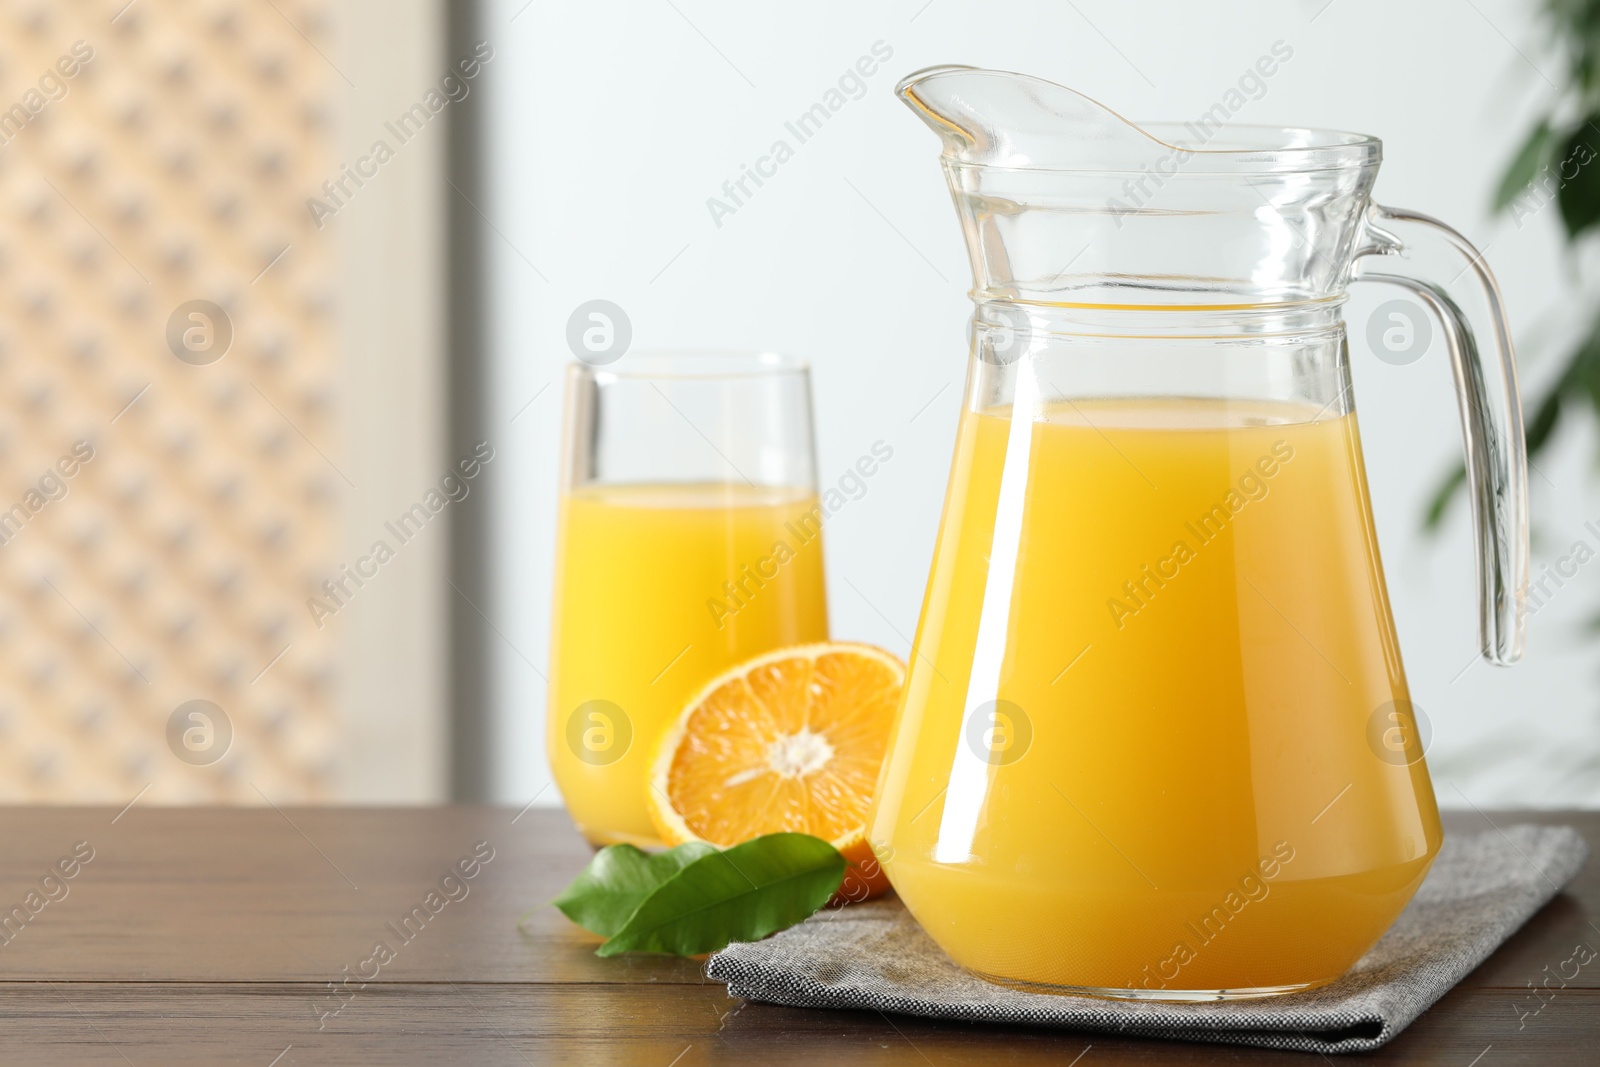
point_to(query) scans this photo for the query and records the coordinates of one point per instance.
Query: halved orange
(789, 741)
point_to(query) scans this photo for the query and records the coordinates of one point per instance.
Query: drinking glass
(689, 541)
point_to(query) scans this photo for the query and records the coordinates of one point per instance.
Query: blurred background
(273, 267)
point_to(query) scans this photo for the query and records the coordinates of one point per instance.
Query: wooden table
(211, 936)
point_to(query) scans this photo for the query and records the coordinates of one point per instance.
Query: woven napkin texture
(1482, 887)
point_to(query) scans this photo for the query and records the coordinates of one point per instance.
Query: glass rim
(954, 98)
(1233, 149)
(696, 364)
(1255, 138)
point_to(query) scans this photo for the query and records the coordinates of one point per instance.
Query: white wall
(613, 122)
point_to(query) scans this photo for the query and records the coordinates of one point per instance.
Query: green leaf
(1543, 423)
(1525, 166)
(1441, 498)
(1581, 375)
(618, 880)
(1578, 173)
(742, 894)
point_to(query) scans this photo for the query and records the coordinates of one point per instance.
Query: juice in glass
(659, 588)
(1195, 771)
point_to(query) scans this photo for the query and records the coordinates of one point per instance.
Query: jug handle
(1491, 418)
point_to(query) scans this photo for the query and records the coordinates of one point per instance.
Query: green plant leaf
(1525, 165)
(1440, 500)
(1578, 172)
(1543, 423)
(618, 880)
(742, 894)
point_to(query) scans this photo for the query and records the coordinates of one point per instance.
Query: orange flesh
(793, 745)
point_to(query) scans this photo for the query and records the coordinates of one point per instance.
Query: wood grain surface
(200, 935)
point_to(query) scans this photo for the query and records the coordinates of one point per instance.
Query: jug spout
(1064, 201)
(1000, 119)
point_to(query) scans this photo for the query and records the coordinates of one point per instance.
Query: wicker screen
(170, 492)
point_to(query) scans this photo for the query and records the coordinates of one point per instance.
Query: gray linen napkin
(1481, 889)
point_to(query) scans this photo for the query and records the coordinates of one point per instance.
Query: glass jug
(1156, 740)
